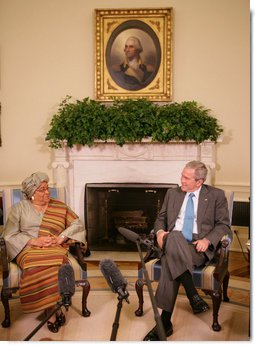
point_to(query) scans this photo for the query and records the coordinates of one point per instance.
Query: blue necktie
(187, 229)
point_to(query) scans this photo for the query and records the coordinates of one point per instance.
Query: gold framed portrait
(134, 54)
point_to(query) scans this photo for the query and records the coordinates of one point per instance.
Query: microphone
(66, 284)
(114, 278)
(130, 235)
(134, 237)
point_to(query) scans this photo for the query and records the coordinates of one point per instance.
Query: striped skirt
(39, 279)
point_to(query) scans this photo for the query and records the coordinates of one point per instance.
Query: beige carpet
(234, 320)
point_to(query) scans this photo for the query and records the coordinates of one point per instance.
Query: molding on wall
(223, 183)
(242, 190)
(18, 184)
(8, 183)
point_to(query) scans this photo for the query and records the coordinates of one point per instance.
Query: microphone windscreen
(112, 275)
(130, 235)
(66, 281)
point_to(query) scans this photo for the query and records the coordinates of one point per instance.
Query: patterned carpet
(234, 319)
(233, 316)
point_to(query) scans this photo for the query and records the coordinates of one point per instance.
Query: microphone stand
(115, 325)
(160, 328)
(58, 306)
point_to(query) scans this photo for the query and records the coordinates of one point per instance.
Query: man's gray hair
(200, 169)
(137, 44)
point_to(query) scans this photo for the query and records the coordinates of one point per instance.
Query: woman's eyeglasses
(43, 190)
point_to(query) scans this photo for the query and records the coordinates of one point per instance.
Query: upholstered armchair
(11, 273)
(212, 278)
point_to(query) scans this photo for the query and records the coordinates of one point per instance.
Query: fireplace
(145, 163)
(131, 205)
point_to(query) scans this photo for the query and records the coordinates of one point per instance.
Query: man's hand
(160, 235)
(201, 245)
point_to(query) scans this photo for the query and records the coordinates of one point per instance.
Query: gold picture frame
(150, 32)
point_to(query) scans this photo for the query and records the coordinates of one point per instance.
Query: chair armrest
(4, 258)
(78, 252)
(222, 260)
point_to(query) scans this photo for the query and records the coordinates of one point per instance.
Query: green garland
(124, 121)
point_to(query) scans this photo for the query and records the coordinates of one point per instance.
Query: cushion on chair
(202, 276)
(154, 269)
(12, 281)
(204, 279)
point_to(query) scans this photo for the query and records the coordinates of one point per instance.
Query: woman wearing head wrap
(38, 232)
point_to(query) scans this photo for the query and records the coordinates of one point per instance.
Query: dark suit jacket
(212, 214)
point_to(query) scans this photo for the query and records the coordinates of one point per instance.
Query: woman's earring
(32, 198)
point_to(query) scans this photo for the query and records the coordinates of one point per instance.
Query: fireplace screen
(109, 206)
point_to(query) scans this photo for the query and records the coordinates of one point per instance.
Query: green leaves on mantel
(132, 120)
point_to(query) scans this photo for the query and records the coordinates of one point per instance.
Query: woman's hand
(42, 242)
(61, 239)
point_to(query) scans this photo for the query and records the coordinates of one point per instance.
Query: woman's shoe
(53, 326)
(61, 319)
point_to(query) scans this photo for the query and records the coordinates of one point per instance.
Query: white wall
(47, 52)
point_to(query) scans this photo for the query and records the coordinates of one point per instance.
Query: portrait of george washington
(133, 55)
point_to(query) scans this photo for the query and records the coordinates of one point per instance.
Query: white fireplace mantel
(145, 162)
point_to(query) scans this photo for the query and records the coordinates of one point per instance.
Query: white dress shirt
(180, 218)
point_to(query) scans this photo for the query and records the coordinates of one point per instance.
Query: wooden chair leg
(216, 300)
(139, 290)
(225, 287)
(5, 301)
(85, 292)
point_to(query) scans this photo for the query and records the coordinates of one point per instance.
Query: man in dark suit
(183, 251)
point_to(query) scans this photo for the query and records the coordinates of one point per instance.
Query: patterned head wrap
(30, 184)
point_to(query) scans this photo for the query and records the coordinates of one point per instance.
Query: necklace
(40, 208)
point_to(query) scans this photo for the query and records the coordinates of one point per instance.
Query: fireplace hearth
(111, 205)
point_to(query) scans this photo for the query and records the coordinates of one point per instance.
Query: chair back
(230, 199)
(13, 195)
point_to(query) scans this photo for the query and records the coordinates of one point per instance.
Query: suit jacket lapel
(178, 203)
(202, 206)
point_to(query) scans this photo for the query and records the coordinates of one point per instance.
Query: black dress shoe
(153, 334)
(198, 304)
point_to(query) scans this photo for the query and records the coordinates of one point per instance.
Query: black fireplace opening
(111, 205)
